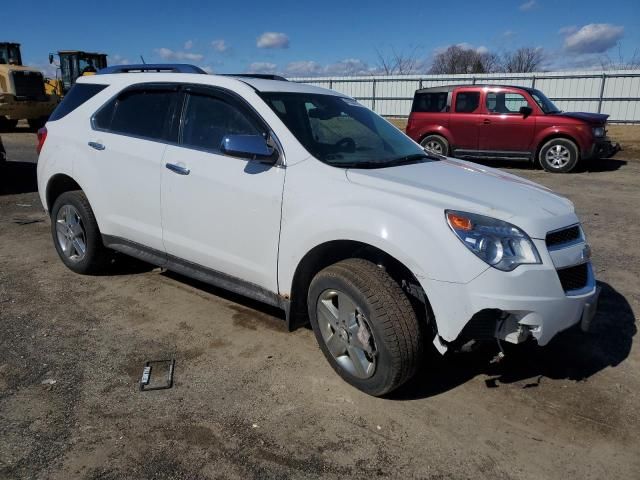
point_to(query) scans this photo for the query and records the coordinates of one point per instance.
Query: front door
(504, 128)
(218, 211)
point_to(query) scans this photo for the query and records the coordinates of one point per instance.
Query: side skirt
(198, 272)
(492, 154)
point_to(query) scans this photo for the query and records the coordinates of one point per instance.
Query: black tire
(391, 319)
(37, 123)
(440, 143)
(569, 151)
(7, 125)
(96, 256)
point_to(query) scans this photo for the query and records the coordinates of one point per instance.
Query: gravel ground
(251, 400)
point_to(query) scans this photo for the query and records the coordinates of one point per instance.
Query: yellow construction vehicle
(73, 64)
(22, 91)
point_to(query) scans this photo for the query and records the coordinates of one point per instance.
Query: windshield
(543, 102)
(341, 132)
(10, 54)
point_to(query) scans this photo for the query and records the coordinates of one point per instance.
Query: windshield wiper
(408, 159)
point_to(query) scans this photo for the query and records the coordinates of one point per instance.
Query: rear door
(129, 136)
(465, 118)
(218, 211)
(504, 128)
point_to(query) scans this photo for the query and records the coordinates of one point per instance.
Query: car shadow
(571, 355)
(592, 166)
(18, 177)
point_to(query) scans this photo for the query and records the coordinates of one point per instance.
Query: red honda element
(515, 123)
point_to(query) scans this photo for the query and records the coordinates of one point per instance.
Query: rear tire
(76, 235)
(37, 123)
(7, 125)
(558, 155)
(365, 325)
(435, 144)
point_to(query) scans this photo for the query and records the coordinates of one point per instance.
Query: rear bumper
(604, 148)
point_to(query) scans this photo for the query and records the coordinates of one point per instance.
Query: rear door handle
(179, 169)
(96, 145)
(487, 121)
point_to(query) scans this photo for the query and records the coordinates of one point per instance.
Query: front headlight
(498, 243)
(598, 132)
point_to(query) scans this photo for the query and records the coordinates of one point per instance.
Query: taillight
(409, 123)
(42, 136)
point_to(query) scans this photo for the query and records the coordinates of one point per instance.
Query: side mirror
(51, 58)
(251, 147)
(526, 111)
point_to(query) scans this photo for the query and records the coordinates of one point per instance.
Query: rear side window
(467, 102)
(140, 113)
(79, 94)
(430, 102)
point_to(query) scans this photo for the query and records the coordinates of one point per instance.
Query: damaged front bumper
(527, 303)
(604, 148)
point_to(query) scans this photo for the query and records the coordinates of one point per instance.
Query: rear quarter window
(430, 102)
(138, 112)
(77, 95)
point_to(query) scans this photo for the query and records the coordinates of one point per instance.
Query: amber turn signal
(459, 222)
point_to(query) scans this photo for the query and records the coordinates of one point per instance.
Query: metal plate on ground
(157, 375)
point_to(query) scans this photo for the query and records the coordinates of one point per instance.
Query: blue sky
(326, 37)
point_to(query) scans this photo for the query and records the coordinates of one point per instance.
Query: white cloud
(593, 38)
(168, 54)
(219, 46)
(188, 45)
(310, 68)
(526, 6)
(262, 67)
(463, 45)
(118, 60)
(273, 40)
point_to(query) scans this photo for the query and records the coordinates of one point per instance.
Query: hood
(594, 118)
(459, 185)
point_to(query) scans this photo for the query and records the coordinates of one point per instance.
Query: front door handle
(487, 121)
(179, 169)
(96, 145)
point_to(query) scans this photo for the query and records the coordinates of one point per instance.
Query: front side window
(208, 119)
(505, 102)
(138, 112)
(467, 102)
(341, 132)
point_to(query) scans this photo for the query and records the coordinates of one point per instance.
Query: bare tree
(457, 59)
(397, 62)
(622, 62)
(523, 60)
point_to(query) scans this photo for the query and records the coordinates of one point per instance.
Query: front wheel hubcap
(433, 147)
(70, 233)
(558, 156)
(346, 333)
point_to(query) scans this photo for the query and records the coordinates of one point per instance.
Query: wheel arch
(57, 185)
(330, 252)
(552, 136)
(436, 130)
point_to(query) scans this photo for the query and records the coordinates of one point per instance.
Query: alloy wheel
(70, 233)
(346, 333)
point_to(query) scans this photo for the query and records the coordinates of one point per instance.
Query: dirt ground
(251, 400)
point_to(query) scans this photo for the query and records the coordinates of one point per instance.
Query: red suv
(515, 123)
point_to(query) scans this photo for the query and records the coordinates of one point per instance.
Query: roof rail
(264, 76)
(152, 67)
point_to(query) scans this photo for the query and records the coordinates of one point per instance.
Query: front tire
(558, 155)
(76, 235)
(435, 144)
(7, 125)
(365, 325)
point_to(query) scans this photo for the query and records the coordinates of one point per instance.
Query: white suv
(302, 198)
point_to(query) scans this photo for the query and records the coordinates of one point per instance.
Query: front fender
(413, 233)
(581, 135)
